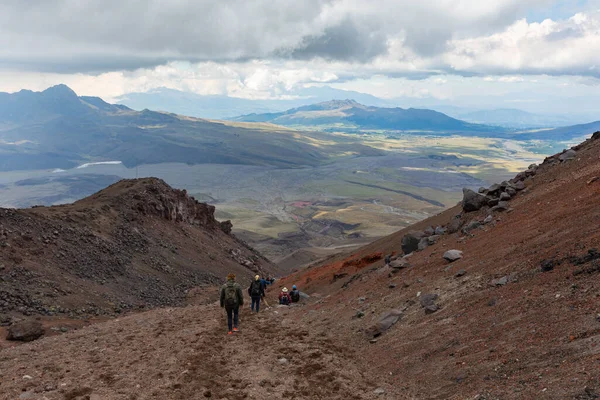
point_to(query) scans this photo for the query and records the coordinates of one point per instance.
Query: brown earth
(137, 244)
(537, 336)
(184, 353)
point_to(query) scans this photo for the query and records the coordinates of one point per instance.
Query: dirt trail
(184, 353)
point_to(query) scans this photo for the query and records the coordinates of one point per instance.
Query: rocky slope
(516, 316)
(136, 244)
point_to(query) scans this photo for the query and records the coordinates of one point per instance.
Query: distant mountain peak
(60, 90)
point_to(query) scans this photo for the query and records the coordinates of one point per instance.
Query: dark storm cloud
(347, 41)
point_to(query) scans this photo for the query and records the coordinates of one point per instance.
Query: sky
(539, 55)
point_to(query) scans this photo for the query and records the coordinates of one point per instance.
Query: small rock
(399, 264)
(567, 155)
(431, 240)
(488, 219)
(500, 281)
(594, 179)
(362, 299)
(440, 230)
(492, 302)
(504, 196)
(502, 206)
(379, 391)
(283, 360)
(455, 224)
(428, 299)
(460, 273)
(392, 285)
(429, 231)
(373, 341)
(27, 377)
(431, 309)
(423, 244)
(471, 226)
(493, 202)
(547, 265)
(360, 314)
(453, 255)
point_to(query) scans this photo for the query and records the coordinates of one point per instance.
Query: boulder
(385, 322)
(429, 231)
(423, 244)
(511, 191)
(567, 155)
(472, 201)
(504, 196)
(482, 190)
(25, 331)
(431, 240)
(410, 241)
(519, 186)
(493, 202)
(504, 185)
(471, 226)
(440, 230)
(502, 206)
(495, 188)
(453, 255)
(455, 224)
(488, 219)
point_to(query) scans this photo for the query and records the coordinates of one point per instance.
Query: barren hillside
(136, 244)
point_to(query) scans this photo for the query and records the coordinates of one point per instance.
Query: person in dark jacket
(232, 298)
(256, 292)
(295, 294)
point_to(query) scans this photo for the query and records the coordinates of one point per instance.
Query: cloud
(68, 36)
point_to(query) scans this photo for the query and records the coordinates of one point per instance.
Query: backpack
(255, 289)
(295, 296)
(231, 299)
(285, 299)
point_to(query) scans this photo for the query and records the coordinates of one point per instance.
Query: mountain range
(351, 114)
(58, 129)
(227, 107)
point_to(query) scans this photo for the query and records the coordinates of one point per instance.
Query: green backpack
(231, 299)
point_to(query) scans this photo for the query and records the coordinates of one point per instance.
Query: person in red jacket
(284, 297)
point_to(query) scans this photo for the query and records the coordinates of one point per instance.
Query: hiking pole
(264, 299)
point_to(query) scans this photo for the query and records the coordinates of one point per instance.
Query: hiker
(264, 284)
(232, 298)
(256, 292)
(284, 297)
(295, 294)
